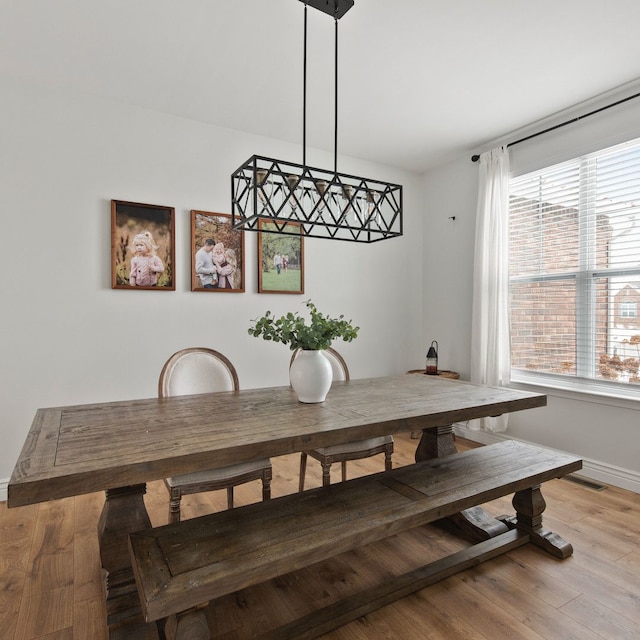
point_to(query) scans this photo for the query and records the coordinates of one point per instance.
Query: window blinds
(575, 267)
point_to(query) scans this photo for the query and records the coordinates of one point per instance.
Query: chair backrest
(197, 370)
(338, 364)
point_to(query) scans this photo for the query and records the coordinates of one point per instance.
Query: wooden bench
(180, 567)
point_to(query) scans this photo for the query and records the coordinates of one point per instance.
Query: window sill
(581, 390)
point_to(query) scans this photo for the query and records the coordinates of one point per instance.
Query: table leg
(436, 443)
(123, 512)
(474, 523)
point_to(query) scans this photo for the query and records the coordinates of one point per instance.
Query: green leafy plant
(293, 330)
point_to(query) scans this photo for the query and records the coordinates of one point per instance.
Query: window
(575, 270)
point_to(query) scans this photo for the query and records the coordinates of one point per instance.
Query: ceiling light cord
(335, 109)
(304, 93)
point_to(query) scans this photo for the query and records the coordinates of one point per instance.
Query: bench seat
(181, 566)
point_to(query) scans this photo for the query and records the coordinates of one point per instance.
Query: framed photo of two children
(142, 246)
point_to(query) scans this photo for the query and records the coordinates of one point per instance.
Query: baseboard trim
(592, 469)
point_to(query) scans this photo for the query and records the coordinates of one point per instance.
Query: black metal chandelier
(300, 200)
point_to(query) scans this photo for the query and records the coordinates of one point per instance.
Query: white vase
(311, 376)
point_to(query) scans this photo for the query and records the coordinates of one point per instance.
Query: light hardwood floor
(50, 576)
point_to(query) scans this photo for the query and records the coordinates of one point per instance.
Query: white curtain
(490, 339)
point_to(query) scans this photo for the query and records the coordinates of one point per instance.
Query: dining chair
(202, 370)
(343, 452)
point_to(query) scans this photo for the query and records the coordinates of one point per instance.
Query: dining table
(119, 446)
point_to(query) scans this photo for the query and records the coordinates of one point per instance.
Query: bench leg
(188, 625)
(529, 505)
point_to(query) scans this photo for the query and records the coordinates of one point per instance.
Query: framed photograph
(280, 261)
(217, 253)
(142, 246)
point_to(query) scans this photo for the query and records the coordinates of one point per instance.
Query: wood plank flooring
(50, 583)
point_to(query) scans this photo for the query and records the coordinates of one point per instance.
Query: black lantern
(432, 360)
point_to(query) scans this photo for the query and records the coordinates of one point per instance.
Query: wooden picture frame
(142, 246)
(288, 250)
(217, 253)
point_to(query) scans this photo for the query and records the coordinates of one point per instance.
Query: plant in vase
(310, 372)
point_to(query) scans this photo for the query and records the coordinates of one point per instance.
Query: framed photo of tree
(280, 260)
(142, 246)
(217, 253)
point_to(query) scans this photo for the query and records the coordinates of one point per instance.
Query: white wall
(67, 338)
(450, 192)
(606, 433)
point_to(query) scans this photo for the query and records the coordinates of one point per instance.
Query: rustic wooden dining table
(120, 446)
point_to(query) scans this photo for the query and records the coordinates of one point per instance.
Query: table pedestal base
(123, 512)
(475, 524)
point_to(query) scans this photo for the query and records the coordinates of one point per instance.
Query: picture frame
(288, 250)
(217, 253)
(142, 246)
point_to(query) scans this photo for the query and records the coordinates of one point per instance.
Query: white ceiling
(420, 80)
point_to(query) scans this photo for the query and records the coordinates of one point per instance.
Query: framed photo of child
(217, 253)
(280, 259)
(142, 246)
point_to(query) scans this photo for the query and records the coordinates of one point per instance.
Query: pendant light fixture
(317, 203)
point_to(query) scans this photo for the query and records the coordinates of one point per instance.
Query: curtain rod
(475, 158)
